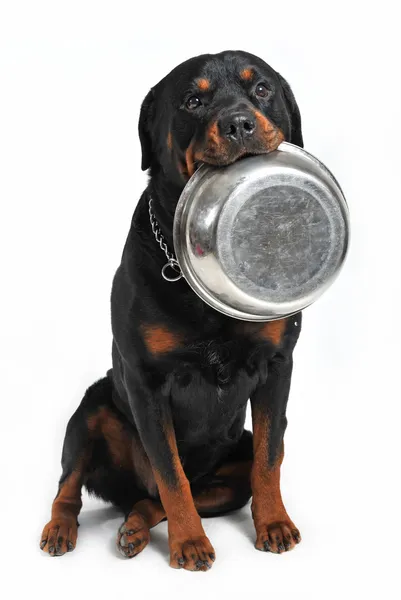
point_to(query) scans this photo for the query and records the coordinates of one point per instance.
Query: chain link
(172, 262)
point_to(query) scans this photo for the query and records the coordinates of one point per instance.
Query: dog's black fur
(183, 373)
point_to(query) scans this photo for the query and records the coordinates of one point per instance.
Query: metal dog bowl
(262, 238)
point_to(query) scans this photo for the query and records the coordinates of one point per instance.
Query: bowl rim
(211, 299)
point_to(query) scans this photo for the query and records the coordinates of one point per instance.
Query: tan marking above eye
(246, 74)
(203, 84)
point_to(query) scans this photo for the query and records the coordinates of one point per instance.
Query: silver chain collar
(172, 262)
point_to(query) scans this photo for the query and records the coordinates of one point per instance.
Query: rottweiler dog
(162, 435)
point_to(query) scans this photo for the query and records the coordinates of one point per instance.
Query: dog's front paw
(277, 536)
(195, 554)
(59, 536)
(133, 535)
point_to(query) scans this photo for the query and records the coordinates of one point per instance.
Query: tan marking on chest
(159, 339)
(274, 331)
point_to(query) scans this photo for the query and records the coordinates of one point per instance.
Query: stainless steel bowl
(264, 237)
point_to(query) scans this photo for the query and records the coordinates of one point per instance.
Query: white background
(72, 76)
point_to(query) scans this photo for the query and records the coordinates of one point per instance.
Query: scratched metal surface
(282, 243)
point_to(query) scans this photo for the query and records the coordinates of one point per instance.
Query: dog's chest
(210, 387)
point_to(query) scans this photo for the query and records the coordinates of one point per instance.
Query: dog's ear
(295, 116)
(144, 127)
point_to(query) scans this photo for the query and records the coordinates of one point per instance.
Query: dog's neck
(165, 196)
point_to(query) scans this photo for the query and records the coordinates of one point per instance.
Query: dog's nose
(237, 126)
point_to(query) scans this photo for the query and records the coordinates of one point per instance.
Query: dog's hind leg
(227, 488)
(60, 534)
(133, 536)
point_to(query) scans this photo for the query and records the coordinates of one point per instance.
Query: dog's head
(215, 109)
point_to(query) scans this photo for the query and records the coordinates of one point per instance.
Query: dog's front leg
(275, 532)
(189, 547)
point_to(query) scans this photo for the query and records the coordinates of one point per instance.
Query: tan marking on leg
(177, 500)
(189, 546)
(214, 498)
(232, 492)
(240, 469)
(134, 535)
(265, 480)
(68, 502)
(105, 423)
(274, 528)
(151, 510)
(60, 534)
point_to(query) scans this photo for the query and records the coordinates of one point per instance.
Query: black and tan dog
(162, 435)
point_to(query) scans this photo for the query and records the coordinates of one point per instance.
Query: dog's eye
(193, 102)
(261, 90)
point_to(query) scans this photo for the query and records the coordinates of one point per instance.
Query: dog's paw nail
(297, 536)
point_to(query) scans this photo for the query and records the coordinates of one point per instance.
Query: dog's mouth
(225, 162)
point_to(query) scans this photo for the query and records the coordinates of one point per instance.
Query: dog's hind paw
(133, 535)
